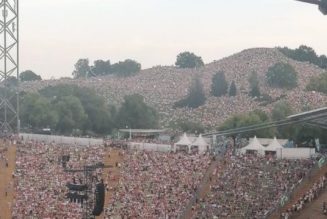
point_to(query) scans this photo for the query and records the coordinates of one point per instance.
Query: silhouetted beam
(316, 2)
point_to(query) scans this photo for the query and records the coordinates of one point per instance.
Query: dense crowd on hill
(40, 179)
(163, 86)
(156, 185)
(248, 186)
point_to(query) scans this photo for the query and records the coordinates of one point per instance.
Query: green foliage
(232, 89)
(305, 54)
(71, 114)
(282, 75)
(36, 111)
(29, 76)
(196, 96)
(248, 119)
(318, 83)
(101, 67)
(254, 85)
(188, 60)
(188, 126)
(12, 82)
(126, 68)
(280, 111)
(134, 113)
(82, 69)
(99, 118)
(219, 86)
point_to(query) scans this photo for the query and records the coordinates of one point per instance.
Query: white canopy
(254, 146)
(184, 141)
(201, 143)
(274, 145)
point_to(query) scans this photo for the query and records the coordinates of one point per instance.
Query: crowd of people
(156, 185)
(40, 179)
(163, 86)
(249, 186)
(307, 198)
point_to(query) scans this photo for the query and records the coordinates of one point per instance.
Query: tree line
(305, 54)
(68, 109)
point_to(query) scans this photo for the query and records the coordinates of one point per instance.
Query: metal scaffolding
(9, 67)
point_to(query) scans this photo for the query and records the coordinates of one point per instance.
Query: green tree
(71, 114)
(134, 113)
(282, 75)
(318, 83)
(37, 112)
(101, 67)
(280, 111)
(188, 126)
(82, 69)
(305, 54)
(29, 76)
(254, 85)
(99, 116)
(232, 89)
(12, 82)
(126, 68)
(196, 96)
(188, 60)
(219, 86)
(248, 119)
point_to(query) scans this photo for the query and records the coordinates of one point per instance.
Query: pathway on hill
(204, 189)
(6, 183)
(314, 210)
(303, 188)
(111, 175)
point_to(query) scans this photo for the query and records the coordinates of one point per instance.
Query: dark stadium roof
(317, 117)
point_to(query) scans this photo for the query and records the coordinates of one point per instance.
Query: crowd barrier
(61, 139)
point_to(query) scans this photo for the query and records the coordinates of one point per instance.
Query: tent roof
(254, 145)
(184, 140)
(274, 144)
(200, 142)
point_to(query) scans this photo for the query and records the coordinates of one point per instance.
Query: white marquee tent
(201, 144)
(274, 145)
(254, 146)
(184, 141)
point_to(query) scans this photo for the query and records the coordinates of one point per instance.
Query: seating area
(156, 185)
(250, 186)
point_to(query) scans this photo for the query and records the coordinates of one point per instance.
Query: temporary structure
(274, 145)
(201, 144)
(184, 141)
(254, 146)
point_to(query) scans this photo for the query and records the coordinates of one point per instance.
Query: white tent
(201, 144)
(254, 146)
(274, 145)
(184, 141)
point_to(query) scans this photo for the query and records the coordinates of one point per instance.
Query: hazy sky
(54, 34)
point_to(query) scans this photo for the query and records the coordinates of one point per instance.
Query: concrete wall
(295, 153)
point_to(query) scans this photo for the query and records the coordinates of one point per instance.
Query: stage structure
(9, 67)
(92, 191)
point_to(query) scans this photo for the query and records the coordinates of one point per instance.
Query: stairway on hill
(204, 189)
(111, 176)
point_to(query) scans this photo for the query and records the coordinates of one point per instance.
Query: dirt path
(314, 210)
(111, 175)
(6, 183)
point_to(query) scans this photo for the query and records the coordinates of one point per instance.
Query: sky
(54, 34)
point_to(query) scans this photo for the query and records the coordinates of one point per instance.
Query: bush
(282, 75)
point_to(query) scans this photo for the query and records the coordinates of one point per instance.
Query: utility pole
(9, 67)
